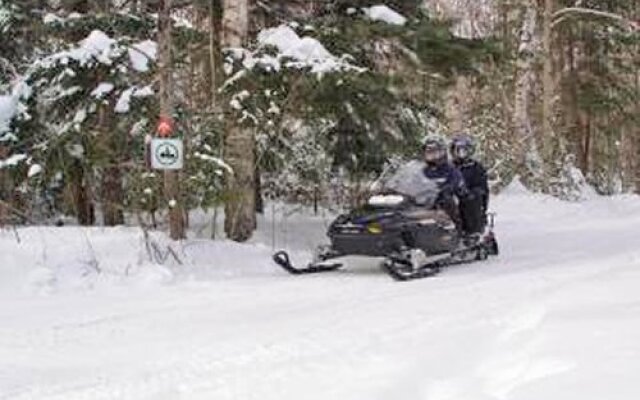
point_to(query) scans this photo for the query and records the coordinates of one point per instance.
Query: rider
(474, 212)
(452, 190)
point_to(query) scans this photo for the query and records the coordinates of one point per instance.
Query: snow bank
(49, 260)
(57, 259)
(516, 188)
(83, 258)
(385, 14)
(571, 186)
(46, 259)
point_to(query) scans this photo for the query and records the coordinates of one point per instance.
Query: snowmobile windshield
(409, 180)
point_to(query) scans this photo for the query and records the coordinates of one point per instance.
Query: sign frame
(167, 154)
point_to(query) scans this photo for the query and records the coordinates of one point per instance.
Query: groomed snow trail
(556, 316)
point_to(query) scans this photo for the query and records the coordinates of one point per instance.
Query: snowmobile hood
(373, 217)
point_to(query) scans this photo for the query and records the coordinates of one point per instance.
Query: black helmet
(462, 147)
(434, 149)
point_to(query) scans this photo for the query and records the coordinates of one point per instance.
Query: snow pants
(472, 215)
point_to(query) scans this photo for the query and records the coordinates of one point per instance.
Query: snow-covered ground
(84, 314)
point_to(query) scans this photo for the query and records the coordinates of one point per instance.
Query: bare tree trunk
(215, 30)
(111, 191)
(628, 160)
(112, 196)
(239, 148)
(5, 187)
(214, 49)
(573, 118)
(547, 82)
(171, 178)
(80, 195)
(586, 142)
(636, 129)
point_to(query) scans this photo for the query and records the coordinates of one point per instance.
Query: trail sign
(167, 154)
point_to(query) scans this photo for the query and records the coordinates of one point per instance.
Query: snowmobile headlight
(374, 228)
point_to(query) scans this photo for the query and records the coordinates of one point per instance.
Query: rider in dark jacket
(452, 190)
(475, 178)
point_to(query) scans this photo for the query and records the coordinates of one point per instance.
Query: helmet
(462, 147)
(434, 149)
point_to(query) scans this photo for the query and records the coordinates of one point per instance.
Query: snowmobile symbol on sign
(403, 226)
(167, 154)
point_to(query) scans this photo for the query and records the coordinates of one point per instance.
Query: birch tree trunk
(235, 22)
(528, 155)
(171, 178)
(239, 147)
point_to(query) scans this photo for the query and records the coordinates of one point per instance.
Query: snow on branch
(11, 106)
(305, 52)
(385, 14)
(561, 15)
(7, 111)
(98, 46)
(12, 161)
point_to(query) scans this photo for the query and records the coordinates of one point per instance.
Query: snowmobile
(402, 225)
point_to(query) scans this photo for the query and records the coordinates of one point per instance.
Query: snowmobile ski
(282, 259)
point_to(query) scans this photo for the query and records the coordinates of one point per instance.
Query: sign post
(177, 220)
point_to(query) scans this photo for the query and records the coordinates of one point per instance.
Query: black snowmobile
(401, 225)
